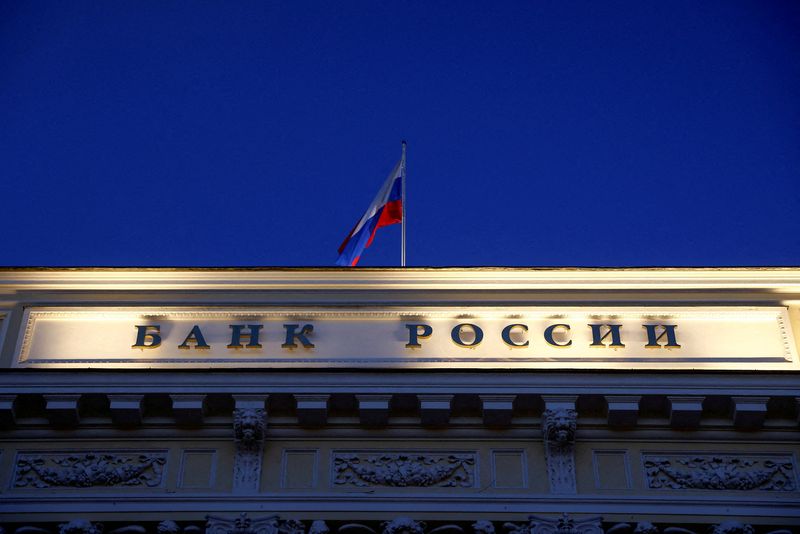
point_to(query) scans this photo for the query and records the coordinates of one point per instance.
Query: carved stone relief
(562, 525)
(80, 526)
(558, 430)
(404, 469)
(720, 472)
(168, 527)
(483, 527)
(245, 525)
(732, 527)
(403, 525)
(728, 527)
(249, 429)
(274, 524)
(89, 469)
(319, 527)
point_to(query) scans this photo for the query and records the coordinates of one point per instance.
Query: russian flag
(386, 209)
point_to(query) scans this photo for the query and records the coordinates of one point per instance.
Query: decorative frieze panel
(246, 525)
(80, 526)
(563, 525)
(403, 525)
(89, 469)
(419, 469)
(720, 472)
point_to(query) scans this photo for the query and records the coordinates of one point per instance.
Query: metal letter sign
(715, 338)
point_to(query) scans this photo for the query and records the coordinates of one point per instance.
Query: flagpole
(403, 225)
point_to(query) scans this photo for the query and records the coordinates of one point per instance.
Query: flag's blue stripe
(358, 241)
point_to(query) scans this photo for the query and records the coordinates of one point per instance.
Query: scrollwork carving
(84, 470)
(405, 469)
(720, 473)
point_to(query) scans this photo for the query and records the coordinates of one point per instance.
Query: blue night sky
(539, 133)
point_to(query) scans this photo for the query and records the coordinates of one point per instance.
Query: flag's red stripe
(391, 213)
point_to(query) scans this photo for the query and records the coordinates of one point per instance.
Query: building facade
(417, 401)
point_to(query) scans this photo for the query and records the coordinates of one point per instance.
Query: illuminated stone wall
(346, 449)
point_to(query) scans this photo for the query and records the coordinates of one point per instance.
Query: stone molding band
(682, 412)
(274, 524)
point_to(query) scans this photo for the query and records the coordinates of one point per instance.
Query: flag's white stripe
(380, 199)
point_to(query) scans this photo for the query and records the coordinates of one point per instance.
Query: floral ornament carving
(403, 525)
(405, 470)
(318, 527)
(483, 527)
(732, 527)
(643, 527)
(89, 469)
(292, 526)
(245, 525)
(720, 473)
(80, 526)
(646, 527)
(168, 527)
(558, 430)
(29, 529)
(562, 525)
(129, 529)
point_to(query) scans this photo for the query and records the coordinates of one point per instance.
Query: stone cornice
(405, 382)
(764, 279)
(745, 506)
